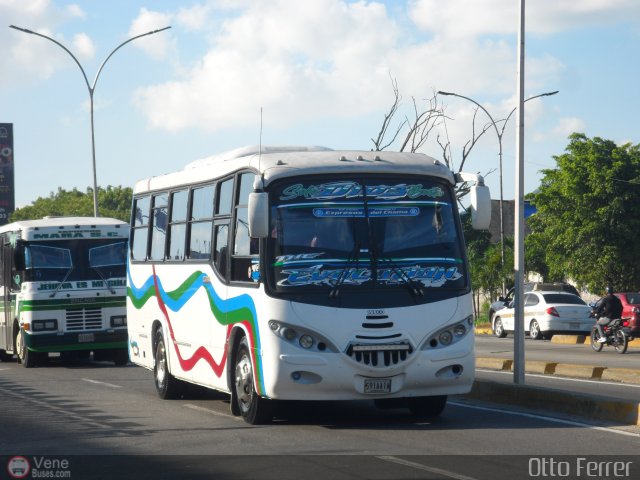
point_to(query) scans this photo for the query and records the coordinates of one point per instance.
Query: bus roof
(286, 161)
(65, 224)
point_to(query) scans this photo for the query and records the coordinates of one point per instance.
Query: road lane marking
(111, 385)
(212, 412)
(548, 419)
(419, 466)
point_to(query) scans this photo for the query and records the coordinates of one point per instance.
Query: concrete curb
(624, 412)
(624, 375)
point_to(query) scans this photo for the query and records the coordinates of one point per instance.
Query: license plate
(377, 385)
(574, 326)
(86, 337)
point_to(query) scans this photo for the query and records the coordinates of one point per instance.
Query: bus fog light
(274, 326)
(445, 337)
(306, 341)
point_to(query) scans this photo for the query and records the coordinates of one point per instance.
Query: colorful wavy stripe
(229, 312)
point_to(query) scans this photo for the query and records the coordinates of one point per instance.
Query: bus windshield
(403, 234)
(74, 260)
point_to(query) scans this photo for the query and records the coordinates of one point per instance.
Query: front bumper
(57, 342)
(336, 377)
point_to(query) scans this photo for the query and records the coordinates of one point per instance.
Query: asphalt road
(545, 350)
(77, 411)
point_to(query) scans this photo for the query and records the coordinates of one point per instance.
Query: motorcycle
(616, 334)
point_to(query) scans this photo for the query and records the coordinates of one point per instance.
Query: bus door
(6, 280)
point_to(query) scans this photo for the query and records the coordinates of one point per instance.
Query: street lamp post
(91, 88)
(499, 134)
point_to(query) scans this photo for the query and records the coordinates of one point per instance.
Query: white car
(546, 313)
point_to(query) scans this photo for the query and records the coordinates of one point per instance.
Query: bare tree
(418, 129)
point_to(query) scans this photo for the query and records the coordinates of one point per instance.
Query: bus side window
(160, 219)
(221, 238)
(201, 223)
(178, 225)
(140, 228)
(243, 247)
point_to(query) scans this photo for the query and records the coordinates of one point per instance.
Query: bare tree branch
(379, 142)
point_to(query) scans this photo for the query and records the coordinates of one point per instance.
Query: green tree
(488, 274)
(112, 202)
(587, 219)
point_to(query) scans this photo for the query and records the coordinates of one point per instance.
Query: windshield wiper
(53, 294)
(104, 279)
(354, 256)
(415, 289)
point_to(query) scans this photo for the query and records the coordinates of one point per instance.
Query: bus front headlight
(450, 334)
(300, 337)
(118, 321)
(44, 325)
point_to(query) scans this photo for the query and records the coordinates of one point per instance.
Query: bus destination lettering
(75, 234)
(73, 285)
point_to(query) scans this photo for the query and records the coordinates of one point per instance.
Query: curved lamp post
(499, 133)
(91, 88)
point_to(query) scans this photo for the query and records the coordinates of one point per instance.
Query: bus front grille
(84, 319)
(380, 355)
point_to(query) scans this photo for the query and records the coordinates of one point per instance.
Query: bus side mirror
(258, 215)
(18, 257)
(480, 207)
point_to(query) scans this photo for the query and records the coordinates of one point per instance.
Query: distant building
(508, 209)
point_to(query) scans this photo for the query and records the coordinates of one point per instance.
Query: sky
(317, 72)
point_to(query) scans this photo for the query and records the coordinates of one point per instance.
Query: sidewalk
(591, 407)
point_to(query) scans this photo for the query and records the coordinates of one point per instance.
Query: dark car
(631, 309)
(502, 302)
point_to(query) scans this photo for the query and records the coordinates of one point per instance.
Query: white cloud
(287, 56)
(83, 46)
(157, 45)
(568, 125)
(75, 11)
(28, 56)
(464, 18)
(194, 18)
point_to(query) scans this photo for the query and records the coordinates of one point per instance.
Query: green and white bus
(63, 289)
(303, 273)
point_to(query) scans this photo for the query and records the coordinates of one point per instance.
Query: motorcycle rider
(609, 308)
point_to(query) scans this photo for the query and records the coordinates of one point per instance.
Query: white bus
(303, 273)
(63, 289)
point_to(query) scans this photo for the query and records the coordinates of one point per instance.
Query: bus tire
(121, 356)
(167, 386)
(5, 357)
(254, 409)
(427, 407)
(25, 357)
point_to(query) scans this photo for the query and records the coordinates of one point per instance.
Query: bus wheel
(167, 385)
(5, 357)
(25, 357)
(121, 356)
(427, 407)
(254, 409)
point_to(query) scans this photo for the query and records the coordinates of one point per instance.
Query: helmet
(609, 289)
